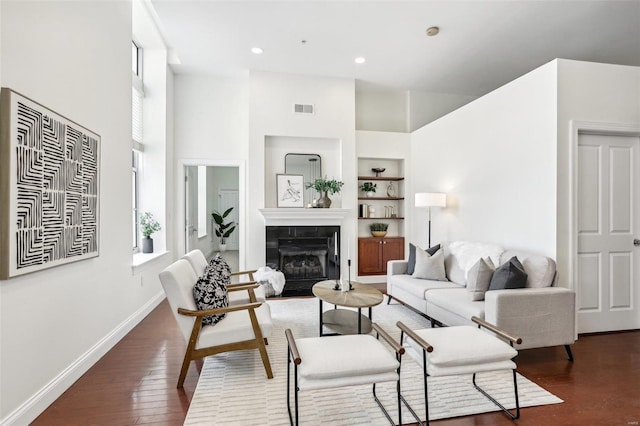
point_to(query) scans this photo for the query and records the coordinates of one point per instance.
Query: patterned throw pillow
(210, 291)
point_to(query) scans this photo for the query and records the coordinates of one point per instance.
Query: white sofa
(541, 314)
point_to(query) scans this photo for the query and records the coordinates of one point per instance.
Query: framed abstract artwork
(49, 188)
(290, 190)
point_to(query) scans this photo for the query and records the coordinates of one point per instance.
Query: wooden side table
(344, 321)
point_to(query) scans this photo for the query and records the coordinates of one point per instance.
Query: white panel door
(230, 198)
(608, 287)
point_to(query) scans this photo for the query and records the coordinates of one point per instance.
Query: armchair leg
(265, 359)
(183, 371)
(389, 299)
(569, 353)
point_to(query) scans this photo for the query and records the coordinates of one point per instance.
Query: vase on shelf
(324, 201)
(391, 190)
(370, 194)
(378, 233)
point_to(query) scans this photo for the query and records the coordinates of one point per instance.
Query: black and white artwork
(290, 189)
(49, 188)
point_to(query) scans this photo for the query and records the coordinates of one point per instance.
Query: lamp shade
(431, 199)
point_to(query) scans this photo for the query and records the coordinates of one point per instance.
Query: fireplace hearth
(305, 254)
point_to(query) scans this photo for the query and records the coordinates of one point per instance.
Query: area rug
(234, 390)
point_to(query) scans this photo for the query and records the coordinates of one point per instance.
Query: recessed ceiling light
(256, 50)
(360, 60)
(431, 31)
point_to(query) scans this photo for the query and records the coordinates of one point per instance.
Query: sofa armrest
(397, 267)
(541, 316)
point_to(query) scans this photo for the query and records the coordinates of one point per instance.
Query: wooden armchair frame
(258, 343)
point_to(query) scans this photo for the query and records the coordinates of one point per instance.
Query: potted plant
(325, 186)
(369, 188)
(379, 229)
(149, 226)
(222, 228)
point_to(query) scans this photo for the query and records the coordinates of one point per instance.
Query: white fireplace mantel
(303, 217)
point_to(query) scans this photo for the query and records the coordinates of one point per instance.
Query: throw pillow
(479, 278)
(411, 263)
(430, 267)
(509, 275)
(210, 291)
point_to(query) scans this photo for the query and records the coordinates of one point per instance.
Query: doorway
(208, 188)
(608, 232)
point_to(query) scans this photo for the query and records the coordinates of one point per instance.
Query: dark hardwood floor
(135, 382)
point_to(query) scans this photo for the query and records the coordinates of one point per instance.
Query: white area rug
(233, 388)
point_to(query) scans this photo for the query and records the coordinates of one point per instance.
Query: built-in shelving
(381, 198)
(381, 218)
(387, 178)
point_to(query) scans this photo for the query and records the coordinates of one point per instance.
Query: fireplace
(305, 254)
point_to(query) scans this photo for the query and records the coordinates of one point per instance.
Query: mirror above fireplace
(308, 165)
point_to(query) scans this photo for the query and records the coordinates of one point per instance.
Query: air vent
(302, 109)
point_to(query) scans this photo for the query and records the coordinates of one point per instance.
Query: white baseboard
(39, 402)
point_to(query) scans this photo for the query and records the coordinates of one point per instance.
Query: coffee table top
(361, 296)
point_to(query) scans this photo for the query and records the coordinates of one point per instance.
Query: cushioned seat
(338, 361)
(419, 287)
(458, 301)
(451, 351)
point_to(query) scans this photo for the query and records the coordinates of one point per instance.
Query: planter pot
(222, 247)
(378, 233)
(324, 201)
(371, 194)
(147, 245)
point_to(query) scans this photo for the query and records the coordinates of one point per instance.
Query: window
(137, 96)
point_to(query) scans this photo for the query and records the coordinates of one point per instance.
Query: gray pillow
(430, 267)
(509, 275)
(479, 277)
(411, 263)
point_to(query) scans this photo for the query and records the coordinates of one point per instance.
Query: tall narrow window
(137, 95)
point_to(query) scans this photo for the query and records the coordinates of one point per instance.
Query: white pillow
(430, 267)
(479, 277)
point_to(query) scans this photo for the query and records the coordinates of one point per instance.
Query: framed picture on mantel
(290, 190)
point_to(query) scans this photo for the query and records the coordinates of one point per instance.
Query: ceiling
(481, 46)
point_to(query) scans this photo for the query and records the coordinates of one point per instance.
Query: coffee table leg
(359, 321)
(320, 322)
(370, 314)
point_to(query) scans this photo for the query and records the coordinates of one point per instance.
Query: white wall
(425, 107)
(496, 160)
(56, 323)
(271, 114)
(588, 92)
(382, 110)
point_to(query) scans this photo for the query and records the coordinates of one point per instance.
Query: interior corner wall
(425, 107)
(496, 160)
(271, 114)
(55, 323)
(382, 110)
(595, 93)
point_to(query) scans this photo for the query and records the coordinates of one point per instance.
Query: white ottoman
(337, 361)
(450, 351)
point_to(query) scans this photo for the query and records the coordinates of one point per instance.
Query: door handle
(636, 242)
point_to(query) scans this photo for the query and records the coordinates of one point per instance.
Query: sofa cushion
(509, 275)
(456, 300)
(479, 277)
(540, 270)
(460, 256)
(411, 263)
(417, 287)
(430, 267)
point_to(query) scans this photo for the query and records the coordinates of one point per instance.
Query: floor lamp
(431, 199)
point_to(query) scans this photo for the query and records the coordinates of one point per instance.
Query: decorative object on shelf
(390, 211)
(289, 190)
(391, 190)
(326, 187)
(49, 188)
(223, 229)
(369, 188)
(378, 170)
(149, 226)
(372, 211)
(431, 199)
(379, 229)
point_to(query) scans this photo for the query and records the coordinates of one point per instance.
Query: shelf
(388, 178)
(380, 218)
(381, 198)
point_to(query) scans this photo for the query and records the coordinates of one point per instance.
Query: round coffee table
(344, 321)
